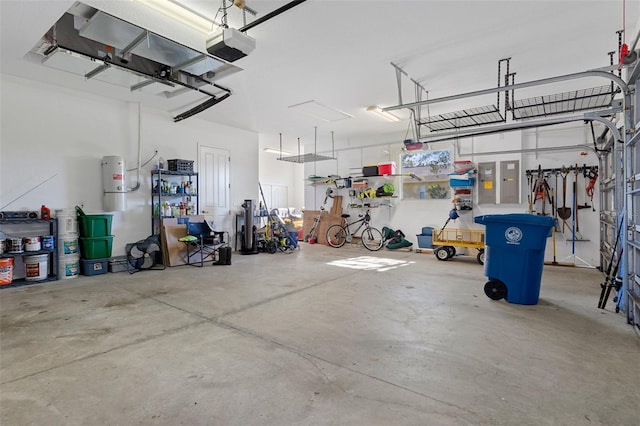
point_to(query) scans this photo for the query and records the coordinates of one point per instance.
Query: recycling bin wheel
(451, 250)
(442, 253)
(495, 290)
(480, 257)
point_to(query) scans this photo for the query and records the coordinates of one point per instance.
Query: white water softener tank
(114, 183)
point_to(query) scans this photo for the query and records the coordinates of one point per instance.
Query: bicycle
(371, 238)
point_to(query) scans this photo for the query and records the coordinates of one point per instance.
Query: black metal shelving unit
(31, 228)
(158, 196)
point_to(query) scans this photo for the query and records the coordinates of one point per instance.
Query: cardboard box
(174, 252)
(326, 220)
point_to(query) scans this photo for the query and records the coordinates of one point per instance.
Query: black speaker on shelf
(18, 215)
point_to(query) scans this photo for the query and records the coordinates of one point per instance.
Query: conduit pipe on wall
(139, 136)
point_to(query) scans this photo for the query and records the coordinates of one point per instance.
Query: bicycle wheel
(372, 239)
(336, 236)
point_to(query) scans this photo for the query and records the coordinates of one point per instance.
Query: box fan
(144, 254)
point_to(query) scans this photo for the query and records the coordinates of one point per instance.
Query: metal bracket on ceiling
(127, 49)
(418, 89)
(97, 71)
(490, 114)
(148, 82)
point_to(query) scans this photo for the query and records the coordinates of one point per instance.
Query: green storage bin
(96, 248)
(95, 225)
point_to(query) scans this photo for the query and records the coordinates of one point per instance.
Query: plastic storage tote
(93, 266)
(96, 248)
(514, 255)
(425, 239)
(95, 225)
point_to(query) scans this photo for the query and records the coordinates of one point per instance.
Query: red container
(387, 168)
(45, 213)
(6, 271)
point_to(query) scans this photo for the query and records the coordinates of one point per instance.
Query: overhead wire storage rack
(592, 98)
(470, 117)
(307, 158)
(563, 103)
(489, 114)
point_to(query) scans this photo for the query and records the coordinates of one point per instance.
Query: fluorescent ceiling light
(276, 151)
(181, 13)
(382, 113)
(317, 110)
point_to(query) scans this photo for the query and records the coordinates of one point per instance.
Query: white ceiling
(338, 53)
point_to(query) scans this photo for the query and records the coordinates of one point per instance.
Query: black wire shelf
(489, 114)
(563, 103)
(305, 158)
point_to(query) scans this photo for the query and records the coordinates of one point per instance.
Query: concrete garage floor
(298, 339)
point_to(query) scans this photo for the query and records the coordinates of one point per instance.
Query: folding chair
(203, 243)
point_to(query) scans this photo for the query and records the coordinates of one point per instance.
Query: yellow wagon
(445, 241)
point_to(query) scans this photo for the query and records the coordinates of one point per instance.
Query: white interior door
(213, 176)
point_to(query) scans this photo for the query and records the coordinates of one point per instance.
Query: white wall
(411, 215)
(53, 140)
(281, 173)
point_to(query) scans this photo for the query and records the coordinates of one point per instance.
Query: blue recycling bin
(514, 255)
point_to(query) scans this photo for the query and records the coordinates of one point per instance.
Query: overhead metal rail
(470, 132)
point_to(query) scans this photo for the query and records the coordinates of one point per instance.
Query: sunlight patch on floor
(370, 263)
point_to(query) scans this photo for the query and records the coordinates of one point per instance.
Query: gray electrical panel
(510, 182)
(487, 183)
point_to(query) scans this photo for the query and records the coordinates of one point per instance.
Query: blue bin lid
(517, 219)
(427, 230)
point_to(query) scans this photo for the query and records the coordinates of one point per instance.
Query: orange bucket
(6, 270)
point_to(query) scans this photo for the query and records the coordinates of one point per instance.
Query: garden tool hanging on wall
(564, 212)
(576, 233)
(592, 175)
(555, 203)
(530, 186)
(542, 192)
